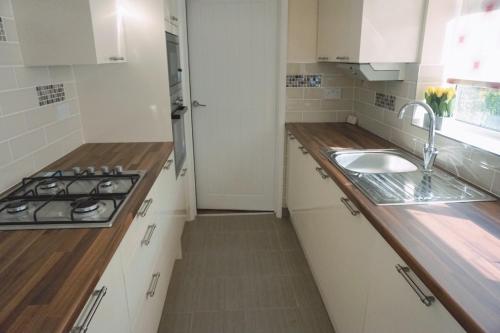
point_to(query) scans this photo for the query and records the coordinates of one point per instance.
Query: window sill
(476, 136)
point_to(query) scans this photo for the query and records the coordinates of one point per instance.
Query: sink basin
(372, 161)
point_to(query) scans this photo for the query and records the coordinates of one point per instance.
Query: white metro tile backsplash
(475, 165)
(32, 136)
(312, 104)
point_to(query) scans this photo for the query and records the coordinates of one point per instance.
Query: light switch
(333, 93)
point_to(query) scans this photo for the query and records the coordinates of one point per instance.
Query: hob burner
(85, 205)
(48, 184)
(17, 207)
(106, 183)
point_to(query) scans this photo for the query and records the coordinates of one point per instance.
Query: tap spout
(430, 151)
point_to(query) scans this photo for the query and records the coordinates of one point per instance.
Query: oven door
(179, 138)
(174, 60)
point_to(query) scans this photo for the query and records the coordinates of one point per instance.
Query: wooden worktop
(46, 276)
(453, 248)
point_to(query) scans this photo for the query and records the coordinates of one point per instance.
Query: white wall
(130, 102)
(32, 136)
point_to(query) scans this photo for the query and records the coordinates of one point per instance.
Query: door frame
(281, 67)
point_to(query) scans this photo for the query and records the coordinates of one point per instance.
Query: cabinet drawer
(141, 244)
(154, 295)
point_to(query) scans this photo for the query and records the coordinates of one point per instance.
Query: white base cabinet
(353, 266)
(106, 309)
(138, 275)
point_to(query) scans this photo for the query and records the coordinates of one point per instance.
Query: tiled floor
(242, 274)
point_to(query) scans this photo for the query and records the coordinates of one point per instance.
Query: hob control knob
(118, 169)
(105, 170)
(76, 171)
(91, 170)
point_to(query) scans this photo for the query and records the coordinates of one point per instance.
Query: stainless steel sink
(373, 161)
(394, 177)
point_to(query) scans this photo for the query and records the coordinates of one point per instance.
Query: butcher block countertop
(46, 276)
(453, 248)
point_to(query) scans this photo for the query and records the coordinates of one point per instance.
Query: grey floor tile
(274, 321)
(240, 293)
(269, 263)
(288, 240)
(175, 323)
(295, 262)
(208, 294)
(306, 291)
(180, 294)
(275, 291)
(316, 320)
(193, 241)
(234, 322)
(208, 322)
(262, 241)
(227, 264)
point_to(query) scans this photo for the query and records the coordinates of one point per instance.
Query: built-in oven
(177, 104)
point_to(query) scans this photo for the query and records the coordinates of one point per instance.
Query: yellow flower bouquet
(440, 99)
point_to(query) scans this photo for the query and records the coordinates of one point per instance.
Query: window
(478, 106)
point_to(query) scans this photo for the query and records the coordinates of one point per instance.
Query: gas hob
(68, 199)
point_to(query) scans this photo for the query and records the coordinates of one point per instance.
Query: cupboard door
(108, 31)
(106, 310)
(339, 30)
(390, 294)
(155, 294)
(339, 247)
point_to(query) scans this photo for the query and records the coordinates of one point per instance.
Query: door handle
(197, 104)
(348, 205)
(404, 270)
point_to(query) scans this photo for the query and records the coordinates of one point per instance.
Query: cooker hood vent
(376, 72)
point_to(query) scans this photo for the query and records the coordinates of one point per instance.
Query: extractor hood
(376, 72)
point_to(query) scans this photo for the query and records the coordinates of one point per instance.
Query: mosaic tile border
(385, 101)
(3, 34)
(50, 94)
(308, 81)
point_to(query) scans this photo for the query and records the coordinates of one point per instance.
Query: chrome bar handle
(152, 286)
(354, 211)
(303, 150)
(168, 165)
(147, 204)
(322, 173)
(99, 295)
(116, 58)
(183, 173)
(404, 270)
(148, 235)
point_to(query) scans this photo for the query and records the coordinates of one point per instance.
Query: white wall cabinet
(54, 32)
(353, 266)
(302, 31)
(369, 31)
(138, 275)
(171, 12)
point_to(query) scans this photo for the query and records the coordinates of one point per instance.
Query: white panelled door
(233, 55)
